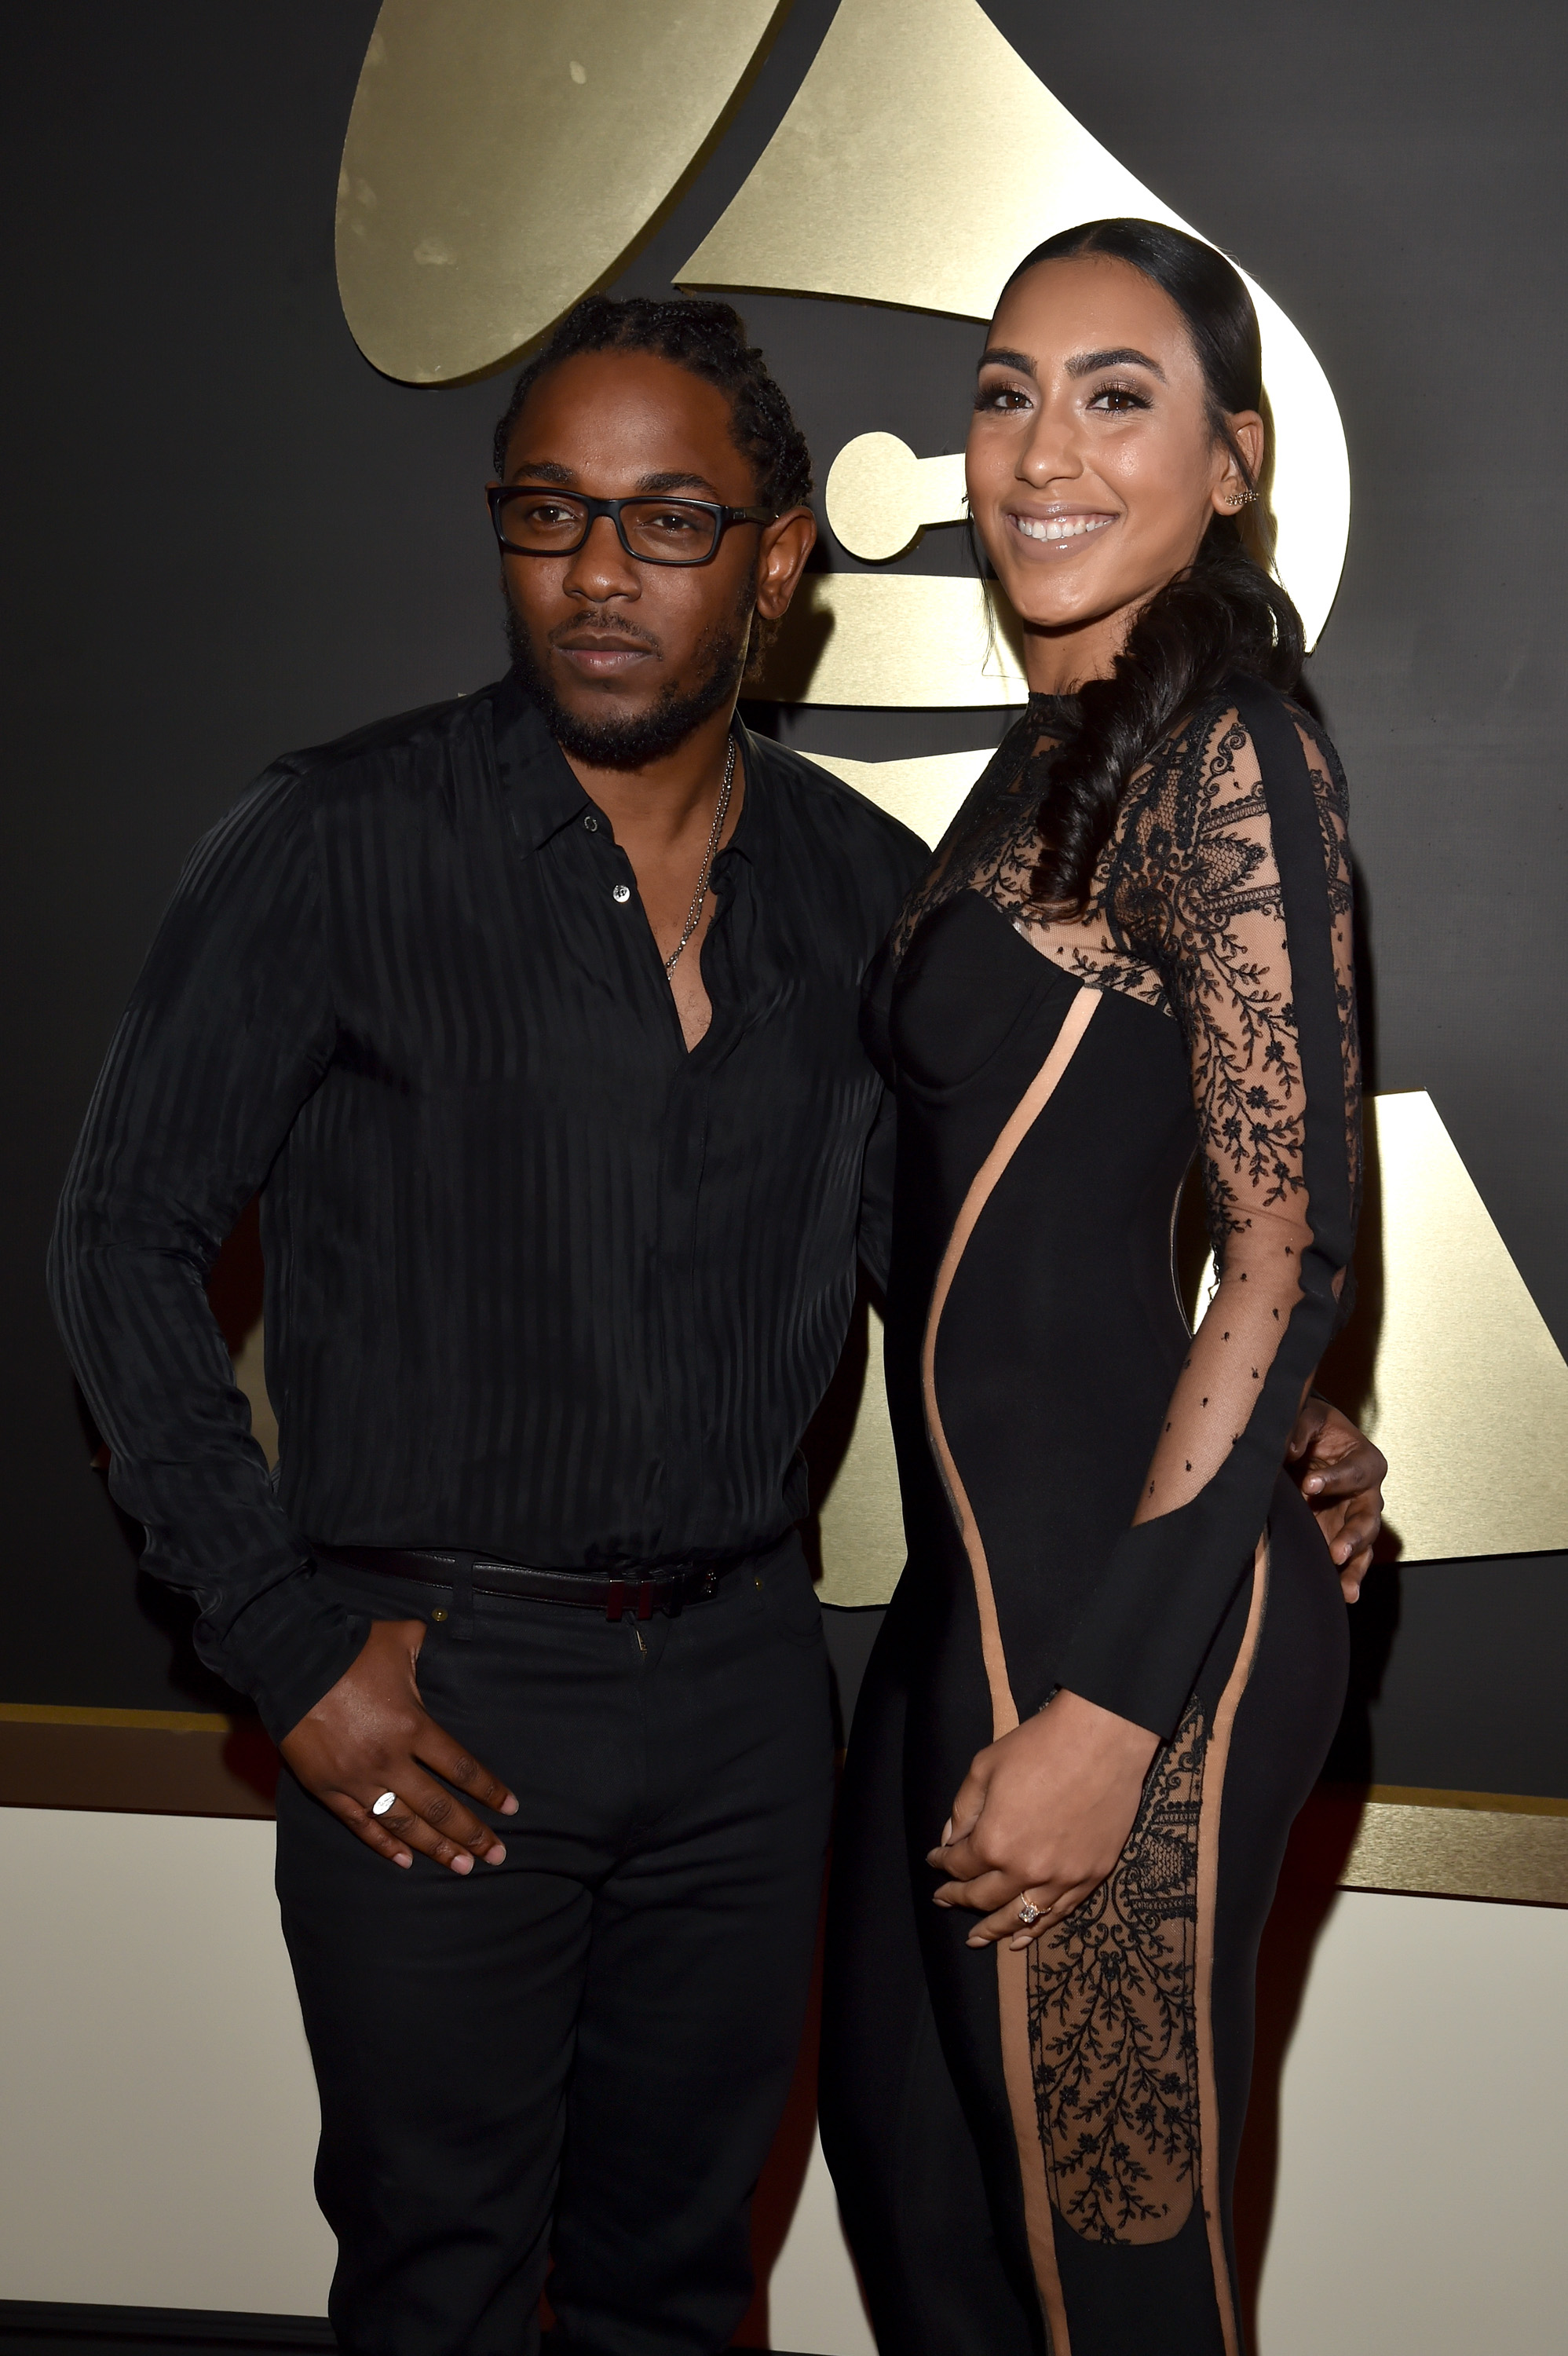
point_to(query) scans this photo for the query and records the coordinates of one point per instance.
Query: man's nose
(601, 567)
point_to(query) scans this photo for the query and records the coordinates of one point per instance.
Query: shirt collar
(543, 793)
(754, 829)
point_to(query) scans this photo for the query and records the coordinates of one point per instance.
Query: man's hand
(1043, 1815)
(1342, 1476)
(372, 1734)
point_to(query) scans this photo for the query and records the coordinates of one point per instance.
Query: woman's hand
(1043, 1814)
(1342, 1476)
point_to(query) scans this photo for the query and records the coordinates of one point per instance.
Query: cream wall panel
(157, 2112)
(159, 2119)
(814, 2300)
(1419, 2210)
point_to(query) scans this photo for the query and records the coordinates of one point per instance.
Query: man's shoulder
(824, 805)
(381, 747)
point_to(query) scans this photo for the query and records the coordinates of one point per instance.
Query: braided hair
(710, 340)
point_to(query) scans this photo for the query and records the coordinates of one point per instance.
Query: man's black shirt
(538, 1282)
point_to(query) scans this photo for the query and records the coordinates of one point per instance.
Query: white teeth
(1066, 528)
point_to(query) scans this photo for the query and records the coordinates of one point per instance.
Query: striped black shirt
(538, 1282)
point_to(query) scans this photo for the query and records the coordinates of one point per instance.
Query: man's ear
(782, 551)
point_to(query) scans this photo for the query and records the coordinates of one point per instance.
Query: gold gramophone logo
(503, 156)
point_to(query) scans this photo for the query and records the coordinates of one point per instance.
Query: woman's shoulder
(1199, 838)
(1272, 723)
(1232, 746)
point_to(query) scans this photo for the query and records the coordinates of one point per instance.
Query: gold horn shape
(502, 155)
(920, 160)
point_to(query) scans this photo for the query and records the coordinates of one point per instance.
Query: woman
(1118, 1618)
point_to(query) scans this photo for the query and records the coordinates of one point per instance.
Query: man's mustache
(602, 625)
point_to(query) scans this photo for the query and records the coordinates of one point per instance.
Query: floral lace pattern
(1113, 2028)
(1185, 916)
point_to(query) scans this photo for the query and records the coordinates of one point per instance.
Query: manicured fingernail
(977, 1942)
(946, 1833)
(402, 1858)
(1014, 1944)
(463, 1863)
(1313, 1482)
(508, 1807)
(495, 1854)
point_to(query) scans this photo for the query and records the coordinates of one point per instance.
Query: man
(534, 1017)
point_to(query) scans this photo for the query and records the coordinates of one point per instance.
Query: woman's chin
(1053, 605)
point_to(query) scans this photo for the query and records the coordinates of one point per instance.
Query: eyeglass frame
(496, 493)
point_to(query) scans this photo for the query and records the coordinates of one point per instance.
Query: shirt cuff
(290, 1647)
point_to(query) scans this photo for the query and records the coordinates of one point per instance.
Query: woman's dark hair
(708, 340)
(1224, 614)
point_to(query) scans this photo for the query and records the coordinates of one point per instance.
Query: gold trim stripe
(1516, 1853)
(146, 1721)
(1423, 1795)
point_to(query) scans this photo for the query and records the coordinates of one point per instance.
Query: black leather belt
(643, 1592)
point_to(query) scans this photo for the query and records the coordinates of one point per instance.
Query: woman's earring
(1240, 499)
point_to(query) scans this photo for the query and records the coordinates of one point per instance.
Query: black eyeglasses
(532, 520)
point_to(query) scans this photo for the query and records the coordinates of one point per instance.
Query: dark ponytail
(1226, 613)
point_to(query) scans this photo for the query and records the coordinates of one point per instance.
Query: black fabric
(915, 2120)
(1066, 1386)
(600, 2030)
(540, 1283)
(1218, 938)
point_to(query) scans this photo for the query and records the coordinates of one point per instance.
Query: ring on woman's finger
(379, 1808)
(1029, 1912)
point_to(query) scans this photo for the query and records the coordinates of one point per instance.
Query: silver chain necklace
(694, 914)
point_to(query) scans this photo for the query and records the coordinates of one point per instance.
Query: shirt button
(621, 894)
(590, 823)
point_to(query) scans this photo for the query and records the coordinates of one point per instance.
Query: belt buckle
(622, 1591)
(664, 1590)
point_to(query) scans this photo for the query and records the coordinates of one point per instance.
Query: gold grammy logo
(503, 156)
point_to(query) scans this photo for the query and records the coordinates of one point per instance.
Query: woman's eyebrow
(1085, 363)
(995, 356)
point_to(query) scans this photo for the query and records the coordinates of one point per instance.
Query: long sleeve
(1244, 901)
(228, 1033)
(875, 1236)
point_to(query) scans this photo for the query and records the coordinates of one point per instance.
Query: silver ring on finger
(388, 1801)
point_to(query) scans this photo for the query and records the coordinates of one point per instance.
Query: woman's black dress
(1038, 2150)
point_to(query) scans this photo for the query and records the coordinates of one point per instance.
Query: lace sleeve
(1234, 883)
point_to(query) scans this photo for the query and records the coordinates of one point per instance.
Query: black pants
(583, 2052)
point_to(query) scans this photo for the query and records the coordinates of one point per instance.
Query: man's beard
(630, 739)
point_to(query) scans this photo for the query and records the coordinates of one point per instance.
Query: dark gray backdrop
(227, 535)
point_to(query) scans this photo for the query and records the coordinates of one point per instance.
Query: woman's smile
(1055, 526)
